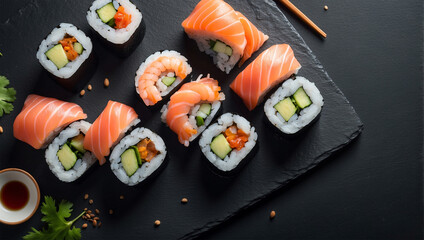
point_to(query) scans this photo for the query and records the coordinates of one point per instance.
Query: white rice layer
(224, 62)
(232, 160)
(163, 89)
(305, 116)
(147, 168)
(54, 37)
(194, 112)
(81, 165)
(116, 36)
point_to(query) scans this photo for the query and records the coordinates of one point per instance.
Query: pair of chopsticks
(302, 16)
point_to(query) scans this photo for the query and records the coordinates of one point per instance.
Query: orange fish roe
(68, 46)
(147, 149)
(236, 137)
(122, 19)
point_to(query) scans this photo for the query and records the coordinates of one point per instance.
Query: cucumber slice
(199, 121)
(168, 81)
(286, 108)
(302, 99)
(67, 157)
(129, 161)
(57, 55)
(219, 47)
(212, 43)
(205, 108)
(137, 154)
(107, 12)
(111, 23)
(220, 146)
(78, 143)
(78, 48)
(228, 51)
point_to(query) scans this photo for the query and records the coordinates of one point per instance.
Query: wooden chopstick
(302, 16)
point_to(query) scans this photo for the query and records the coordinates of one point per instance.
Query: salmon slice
(255, 38)
(181, 102)
(42, 118)
(109, 128)
(270, 68)
(218, 20)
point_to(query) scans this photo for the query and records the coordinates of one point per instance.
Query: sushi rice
(232, 160)
(81, 165)
(147, 168)
(163, 89)
(224, 62)
(116, 36)
(305, 116)
(52, 39)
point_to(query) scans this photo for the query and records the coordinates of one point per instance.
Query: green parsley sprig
(57, 225)
(7, 96)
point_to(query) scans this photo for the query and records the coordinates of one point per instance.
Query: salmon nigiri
(192, 108)
(255, 38)
(109, 128)
(159, 75)
(42, 118)
(270, 68)
(218, 31)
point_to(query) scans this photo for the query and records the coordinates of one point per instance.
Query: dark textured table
(373, 187)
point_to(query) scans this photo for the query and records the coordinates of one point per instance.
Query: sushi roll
(219, 32)
(294, 105)
(119, 24)
(159, 75)
(226, 143)
(192, 108)
(66, 155)
(109, 128)
(137, 156)
(42, 118)
(269, 69)
(67, 54)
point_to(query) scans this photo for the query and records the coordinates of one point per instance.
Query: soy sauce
(14, 195)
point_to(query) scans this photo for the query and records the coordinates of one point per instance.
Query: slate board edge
(211, 225)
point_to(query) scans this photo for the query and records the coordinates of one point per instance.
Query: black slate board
(212, 199)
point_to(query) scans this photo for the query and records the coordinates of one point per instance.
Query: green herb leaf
(58, 226)
(7, 96)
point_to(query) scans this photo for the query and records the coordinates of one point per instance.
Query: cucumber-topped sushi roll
(67, 54)
(192, 108)
(159, 75)
(119, 23)
(226, 143)
(137, 156)
(294, 105)
(66, 155)
(109, 127)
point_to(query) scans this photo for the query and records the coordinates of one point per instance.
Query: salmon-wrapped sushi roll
(216, 28)
(115, 120)
(159, 75)
(270, 68)
(223, 33)
(192, 108)
(42, 118)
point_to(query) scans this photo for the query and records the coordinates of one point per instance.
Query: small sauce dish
(19, 196)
